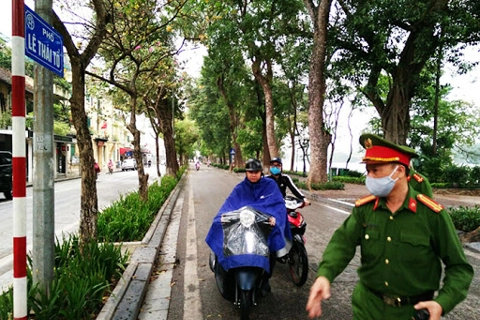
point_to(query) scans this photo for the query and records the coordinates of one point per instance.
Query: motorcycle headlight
(247, 218)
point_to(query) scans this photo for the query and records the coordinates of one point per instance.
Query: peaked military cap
(379, 150)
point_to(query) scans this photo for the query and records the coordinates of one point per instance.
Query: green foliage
(331, 185)
(295, 173)
(5, 119)
(186, 137)
(475, 175)
(81, 280)
(464, 218)
(61, 128)
(456, 175)
(353, 173)
(348, 179)
(129, 218)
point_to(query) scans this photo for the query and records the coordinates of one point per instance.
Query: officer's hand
(320, 291)
(306, 202)
(434, 308)
(272, 221)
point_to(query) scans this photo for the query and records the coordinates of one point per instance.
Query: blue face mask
(275, 170)
(381, 187)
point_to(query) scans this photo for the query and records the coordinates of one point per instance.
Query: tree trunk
(157, 156)
(238, 158)
(265, 83)
(137, 150)
(319, 137)
(88, 197)
(395, 115)
(164, 114)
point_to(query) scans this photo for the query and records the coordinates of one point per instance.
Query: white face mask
(381, 187)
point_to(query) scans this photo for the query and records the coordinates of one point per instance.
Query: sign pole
(19, 163)
(43, 242)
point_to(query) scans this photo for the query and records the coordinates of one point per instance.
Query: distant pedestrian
(405, 239)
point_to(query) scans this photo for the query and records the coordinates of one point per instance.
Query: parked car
(129, 164)
(6, 174)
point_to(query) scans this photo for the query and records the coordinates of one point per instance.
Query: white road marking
(336, 209)
(192, 306)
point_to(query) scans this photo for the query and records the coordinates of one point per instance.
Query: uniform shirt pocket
(414, 249)
(370, 244)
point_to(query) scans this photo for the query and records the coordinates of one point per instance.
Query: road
(193, 290)
(67, 210)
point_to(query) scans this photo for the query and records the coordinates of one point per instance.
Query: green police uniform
(401, 252)
(401, 256)
(420, 183)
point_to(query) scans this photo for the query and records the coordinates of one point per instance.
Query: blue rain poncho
(264, 196)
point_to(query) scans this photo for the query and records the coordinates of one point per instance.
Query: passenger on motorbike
(262, 194)
(284, 181)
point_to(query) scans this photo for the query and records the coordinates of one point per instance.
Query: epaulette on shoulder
(418, 178)
(364, 200)
(432, 204)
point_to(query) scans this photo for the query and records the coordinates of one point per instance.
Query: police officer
(284, 181)
(419, 182)
(404, 238)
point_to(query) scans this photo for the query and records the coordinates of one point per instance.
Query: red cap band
(385, 154)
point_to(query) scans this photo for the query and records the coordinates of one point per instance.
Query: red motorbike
(297, 257)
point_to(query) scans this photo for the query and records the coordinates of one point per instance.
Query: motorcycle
(239, 273)
(197, 166)
(297, 257)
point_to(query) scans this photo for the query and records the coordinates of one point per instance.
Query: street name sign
(43, 44)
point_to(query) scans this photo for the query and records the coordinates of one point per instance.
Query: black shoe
(265, 289)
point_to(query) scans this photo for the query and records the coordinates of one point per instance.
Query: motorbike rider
(262, 194)
(110, 166)
(284, 181)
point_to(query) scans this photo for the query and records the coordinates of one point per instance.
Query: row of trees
(132, 46)
(381, 54)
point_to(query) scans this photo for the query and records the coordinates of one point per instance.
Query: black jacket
(284, 181)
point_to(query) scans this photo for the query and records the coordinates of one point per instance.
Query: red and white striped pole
(19, 185)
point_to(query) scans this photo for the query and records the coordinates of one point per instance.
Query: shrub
(129, 218)
(465, 219)
(322, 186)
(353, 173)
(440, 185)
(456, 175)
(81, 280)
(475, 176)
(348, 179)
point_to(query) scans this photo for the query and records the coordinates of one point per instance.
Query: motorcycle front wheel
(298, 263)
(245, 303)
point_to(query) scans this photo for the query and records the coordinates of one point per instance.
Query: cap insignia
(368, 143)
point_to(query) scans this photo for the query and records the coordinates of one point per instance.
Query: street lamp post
(304, 145)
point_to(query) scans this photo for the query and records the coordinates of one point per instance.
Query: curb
(127, 297)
